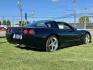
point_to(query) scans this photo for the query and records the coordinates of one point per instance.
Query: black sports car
(49, 35)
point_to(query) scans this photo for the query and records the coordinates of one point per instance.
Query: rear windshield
(36, 24)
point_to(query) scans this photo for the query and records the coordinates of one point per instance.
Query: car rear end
(26, 36)
(13, 34)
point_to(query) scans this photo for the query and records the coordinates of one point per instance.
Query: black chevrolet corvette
(49, 35)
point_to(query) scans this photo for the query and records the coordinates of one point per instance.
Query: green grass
(71, 58)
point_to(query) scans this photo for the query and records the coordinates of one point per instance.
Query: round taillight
(28, 31)
(25, 31)
(31, 32)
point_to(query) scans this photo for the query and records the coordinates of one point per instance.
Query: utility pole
(20, 6)
(33, 15)
(26, 15)
(85, 19)
(74, 10)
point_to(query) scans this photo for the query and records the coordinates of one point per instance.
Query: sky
(45, 8)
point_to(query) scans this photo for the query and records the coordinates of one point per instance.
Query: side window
(49, 25)
(41, 24)
(66, 27)
(63, 26)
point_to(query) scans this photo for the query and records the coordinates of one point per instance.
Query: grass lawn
(71, 58)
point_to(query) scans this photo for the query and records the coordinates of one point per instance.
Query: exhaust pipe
(21, 45)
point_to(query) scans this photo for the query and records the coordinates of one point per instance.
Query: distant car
(49, 35)
(2, 28)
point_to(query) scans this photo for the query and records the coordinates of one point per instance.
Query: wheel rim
(52, 44)
(87, 39)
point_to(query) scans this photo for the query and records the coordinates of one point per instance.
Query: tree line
(9, 23)
(5, 22)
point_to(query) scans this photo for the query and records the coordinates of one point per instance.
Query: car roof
(55, 21)
(46, 21)
(50, 21)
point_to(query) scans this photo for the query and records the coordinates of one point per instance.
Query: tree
(0, 23)
(22, 23)
(4, 22)
(84, 19)
(8, 23)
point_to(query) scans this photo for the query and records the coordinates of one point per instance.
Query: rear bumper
(29, 40)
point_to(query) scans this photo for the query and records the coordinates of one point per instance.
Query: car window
(40, 25)
(37, 24)
(63, 26)
(49, 25)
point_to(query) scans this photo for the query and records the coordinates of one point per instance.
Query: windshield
(36, 24)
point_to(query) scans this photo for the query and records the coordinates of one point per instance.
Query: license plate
(17, 36)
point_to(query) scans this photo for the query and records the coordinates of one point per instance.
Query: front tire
(52, 44)
(87, 39)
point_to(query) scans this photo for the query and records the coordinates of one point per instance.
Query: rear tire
(52, 44)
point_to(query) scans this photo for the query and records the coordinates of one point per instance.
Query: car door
(67, 33)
